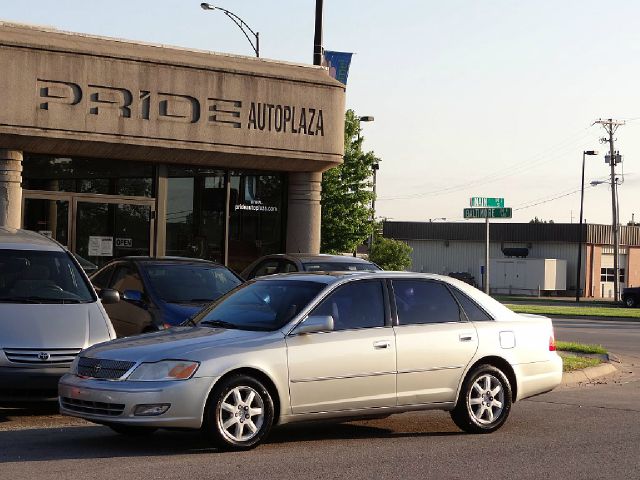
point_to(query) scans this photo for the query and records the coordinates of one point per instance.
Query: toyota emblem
(44, 356)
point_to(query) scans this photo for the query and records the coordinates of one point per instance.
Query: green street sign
(486, 202)
(487, 213)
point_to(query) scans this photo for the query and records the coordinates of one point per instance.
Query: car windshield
(260, 305)
(35, 276)
(190, 283)
(339, 266)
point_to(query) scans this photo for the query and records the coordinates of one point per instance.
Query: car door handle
(382, 344)
(465, 337)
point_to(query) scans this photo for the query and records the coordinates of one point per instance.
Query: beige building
(119, 148)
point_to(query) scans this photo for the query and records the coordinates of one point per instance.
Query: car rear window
(35, 276)
(339, 266)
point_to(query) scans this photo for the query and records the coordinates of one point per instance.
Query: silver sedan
(301, 347)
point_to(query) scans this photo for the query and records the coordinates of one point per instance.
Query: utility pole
(610, 127)
(317, 38)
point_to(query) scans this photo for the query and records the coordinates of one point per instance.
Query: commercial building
(460, 247)
(116, 148)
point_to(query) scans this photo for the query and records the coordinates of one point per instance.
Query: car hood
(50, 326)
(176, 343)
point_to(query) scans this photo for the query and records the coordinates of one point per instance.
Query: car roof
(320, 257)
(331, 277)
(147, 259)
(16, 239)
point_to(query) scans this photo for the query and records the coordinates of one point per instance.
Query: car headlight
(164, 370)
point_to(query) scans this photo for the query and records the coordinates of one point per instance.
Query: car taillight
(552, 342)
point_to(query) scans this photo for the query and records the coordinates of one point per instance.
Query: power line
(504, 173)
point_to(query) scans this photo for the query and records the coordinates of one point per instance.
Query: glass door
(49, 215)
(107, 228)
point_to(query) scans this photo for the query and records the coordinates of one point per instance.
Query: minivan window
(34, 276)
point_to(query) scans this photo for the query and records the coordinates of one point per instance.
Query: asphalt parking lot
(585, 431)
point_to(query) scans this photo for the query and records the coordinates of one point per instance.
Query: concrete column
(303, 213)
(10, 188)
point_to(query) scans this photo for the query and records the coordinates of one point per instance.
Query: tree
(390, 254)
(346, 194)
(539, 220)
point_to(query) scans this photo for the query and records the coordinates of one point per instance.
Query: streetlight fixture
(578, 279)
(241, 25)
(375, 167)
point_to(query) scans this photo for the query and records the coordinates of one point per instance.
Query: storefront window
(195, 213)
(87, 175)
(256, 217)
(196, 202)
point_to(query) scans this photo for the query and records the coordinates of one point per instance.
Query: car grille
(103, 369)
(35, 356)
(94, 408)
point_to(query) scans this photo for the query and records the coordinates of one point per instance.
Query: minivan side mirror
(109, 295)
(134, 296)
(313, 324)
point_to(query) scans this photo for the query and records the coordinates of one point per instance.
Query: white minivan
(49, 312)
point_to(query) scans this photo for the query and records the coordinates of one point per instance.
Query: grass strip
(571, 363)
(576, 311)
(580, 348)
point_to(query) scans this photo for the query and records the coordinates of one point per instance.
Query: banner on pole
(338, 64)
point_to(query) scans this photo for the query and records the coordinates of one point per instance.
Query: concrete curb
(588, 374)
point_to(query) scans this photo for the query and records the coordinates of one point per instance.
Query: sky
(490, 98)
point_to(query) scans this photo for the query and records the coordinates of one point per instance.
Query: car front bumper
(103, 401)
(30, 383)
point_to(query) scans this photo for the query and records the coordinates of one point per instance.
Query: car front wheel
(484, 402)
(630, 301)
(239, 414)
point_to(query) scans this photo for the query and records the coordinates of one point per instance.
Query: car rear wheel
(239, 414)
(484, 402)
(630, 301)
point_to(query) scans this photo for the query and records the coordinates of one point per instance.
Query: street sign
(487, 213)
(484, 202)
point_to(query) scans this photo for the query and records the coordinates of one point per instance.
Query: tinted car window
(260, 305)
(126, 278)
(354, 305)
(473, 311)
(288, 267)
(338, 266)
(419, 302)
(185, 283)
(28, 276)
(101, 279)
(268, 267)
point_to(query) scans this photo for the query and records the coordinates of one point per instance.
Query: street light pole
(242, 25)
(581, 242)
(317, 38)
(375, 167)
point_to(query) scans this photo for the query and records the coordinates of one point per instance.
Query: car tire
(131, 430)
(239, 413)
(484, 401)
(630, 301)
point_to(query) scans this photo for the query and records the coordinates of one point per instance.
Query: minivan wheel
(630, 301)
(131, 430)
(484, 402)
(239, 413)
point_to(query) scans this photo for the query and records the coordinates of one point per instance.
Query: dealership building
(118, 148)
(525, 258)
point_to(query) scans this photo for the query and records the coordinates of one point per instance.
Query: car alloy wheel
(630, 301)
(484, 401)
(239, 413)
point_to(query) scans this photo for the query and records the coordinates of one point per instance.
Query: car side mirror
(109, 295)
(313, 324)
(134, 296)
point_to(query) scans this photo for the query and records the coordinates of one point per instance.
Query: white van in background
(49, 312)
